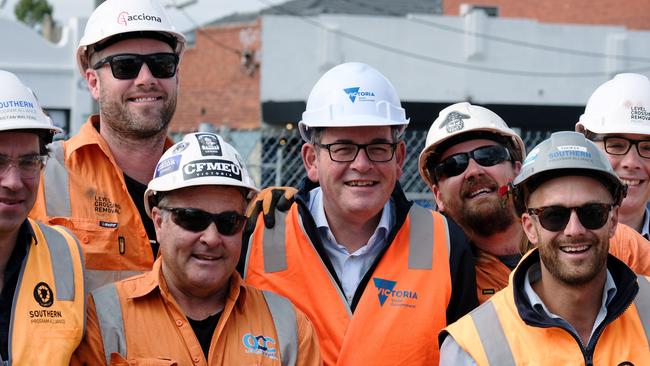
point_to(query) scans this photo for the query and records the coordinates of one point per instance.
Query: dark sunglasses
(555, 218)
(127, 66)
(457, 163)
(195, 220)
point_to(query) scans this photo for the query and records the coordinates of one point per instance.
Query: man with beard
(470, 156)
(94, 186)
(568, 302)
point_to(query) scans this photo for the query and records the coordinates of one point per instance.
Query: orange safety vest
(83, 189)
(495, 334)
(400, 312)
(47, 317)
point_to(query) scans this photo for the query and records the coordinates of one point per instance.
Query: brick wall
(634, 14)
(214, 88)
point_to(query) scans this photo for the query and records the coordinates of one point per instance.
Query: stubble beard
(136, 125)
(569, 273)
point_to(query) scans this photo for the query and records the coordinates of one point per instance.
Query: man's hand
(268, 201)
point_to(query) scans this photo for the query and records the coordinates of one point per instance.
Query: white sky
(203, 11)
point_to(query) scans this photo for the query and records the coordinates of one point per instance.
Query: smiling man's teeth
(630, 182)
(576, 249)
(476, 193)
(147, 99)
(360, 183)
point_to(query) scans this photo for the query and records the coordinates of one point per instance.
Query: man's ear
(400, 157)
(92, 80)
(614, 221)
(156, 217)
(310, 161)
(530, 229)
(437, 197)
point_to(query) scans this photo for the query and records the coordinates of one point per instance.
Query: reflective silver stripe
(111, 325)
(275, 249)
(55, 180)
(62, 266)
(421, 238)
(96, 278)
(284, 319)
(496, 346)
(642, 303)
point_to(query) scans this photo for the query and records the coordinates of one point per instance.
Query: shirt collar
(317, 210)
(534, 274)
(154, 279)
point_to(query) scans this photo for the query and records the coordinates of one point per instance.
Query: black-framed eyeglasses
(592, 216)
(29, 166)
(615, 145)
(345, 152)
(456, 164)
(127, 66)
(195, 220)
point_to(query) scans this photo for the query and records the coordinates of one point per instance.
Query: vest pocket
(99, 243)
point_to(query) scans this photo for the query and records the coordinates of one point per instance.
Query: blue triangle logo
(384, 288)
(352, 93)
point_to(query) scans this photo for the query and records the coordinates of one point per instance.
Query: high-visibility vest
(400, 312)
(494, 334)
(83, 189)
(47, 316)
(114, 336)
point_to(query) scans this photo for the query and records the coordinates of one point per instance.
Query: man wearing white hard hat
(193, 308)
(377, 275)
(42, 299)
(129, 57)
(617, 118)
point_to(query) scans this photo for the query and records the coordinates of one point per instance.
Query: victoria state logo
(386, 289)
(43, 295)
(355, 93)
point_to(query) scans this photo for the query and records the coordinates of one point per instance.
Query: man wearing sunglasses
(378, 275)
(42, 299)
(129, 57)
(193, 308)
(568, 302)
(617, 119)
(470, 156)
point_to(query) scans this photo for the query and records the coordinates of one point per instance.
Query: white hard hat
(130, 19)
(462, 118)
(19, 108)
(201, 158)
(352, 94)
(620, 105)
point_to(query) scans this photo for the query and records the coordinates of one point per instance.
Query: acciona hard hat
(20, 110)
(620, 105)
(349, 95)
(201, 158)
(126, 19)
(566, 153)
(463, 118)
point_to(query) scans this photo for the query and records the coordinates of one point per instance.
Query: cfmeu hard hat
(201, 158)
(20, 110)
(350, 95)
(620, 105)
(116, 20)
(464, 119)
(566, 153)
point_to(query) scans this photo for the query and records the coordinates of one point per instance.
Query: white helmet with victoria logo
(201, 158)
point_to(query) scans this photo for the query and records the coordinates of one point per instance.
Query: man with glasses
(617, 119)
(41, 267)
(568, 302)
(193, 308)
(469, 158)
(129, 56)
(377, 275)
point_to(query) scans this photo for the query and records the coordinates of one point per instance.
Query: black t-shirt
(12, 272)
(204, 330)
(136, 191)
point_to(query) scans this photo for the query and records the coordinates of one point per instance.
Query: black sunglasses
(555, 218)
(457, 163)
(127, 66)
(195, 220)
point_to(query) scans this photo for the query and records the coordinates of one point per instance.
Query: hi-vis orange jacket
(627, 245)
(138, 322)
(507, 331)
(83, 189)
(401, 307)
(47, 316)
